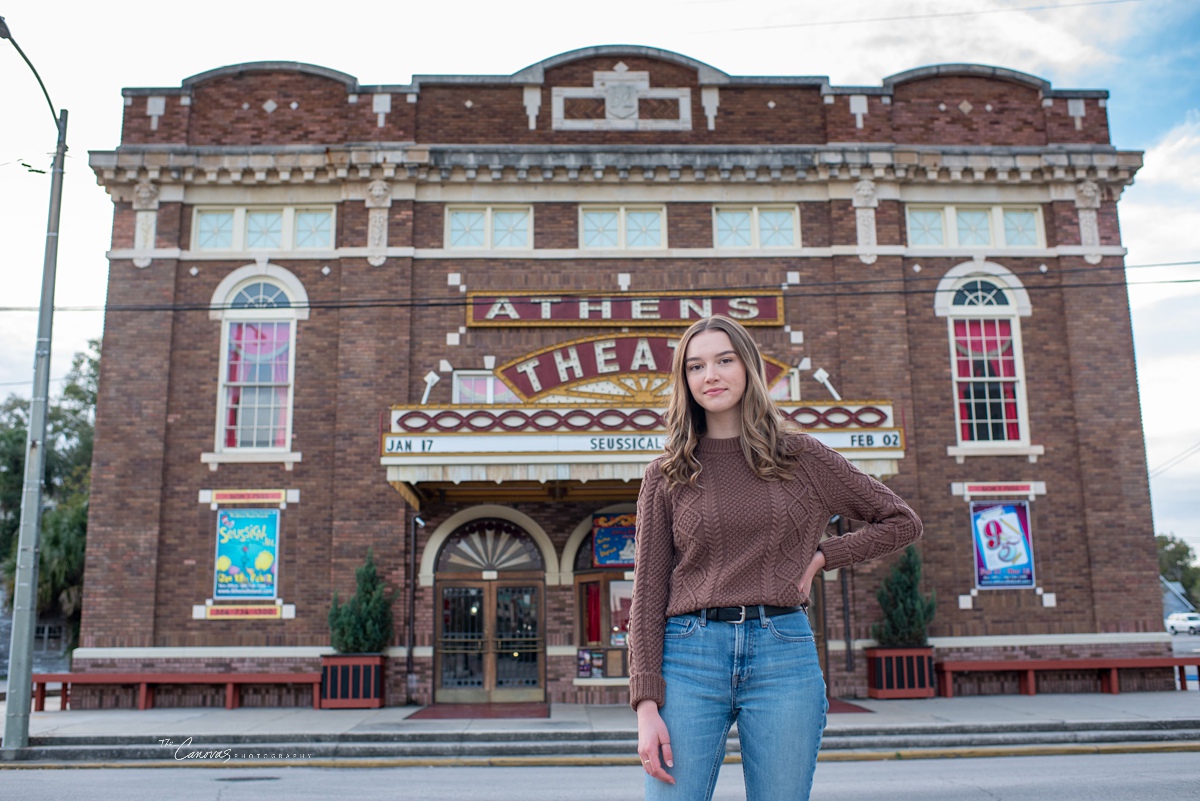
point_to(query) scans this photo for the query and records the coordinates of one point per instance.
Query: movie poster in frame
(247, 557)
(1003, 538)
(613, 539)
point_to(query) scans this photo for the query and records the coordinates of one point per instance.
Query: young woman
(729, 526)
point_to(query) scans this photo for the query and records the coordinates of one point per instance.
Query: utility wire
(436, 302)
(429, 303)
(1176, 460)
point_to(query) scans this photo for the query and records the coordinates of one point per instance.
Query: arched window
(257, 365)
(986, 363)
(489, 544)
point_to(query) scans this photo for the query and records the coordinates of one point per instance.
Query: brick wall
(150, 552)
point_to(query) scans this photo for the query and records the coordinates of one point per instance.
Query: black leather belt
(740, 614)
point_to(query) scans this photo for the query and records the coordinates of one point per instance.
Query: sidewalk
(577, 734)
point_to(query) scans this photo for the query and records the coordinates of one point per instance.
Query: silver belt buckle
(741, 619)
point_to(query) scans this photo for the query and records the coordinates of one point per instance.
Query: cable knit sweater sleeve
(654, 559)
(848, 491)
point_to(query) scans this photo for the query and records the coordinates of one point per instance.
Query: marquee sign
(561, 310)
(597, 358)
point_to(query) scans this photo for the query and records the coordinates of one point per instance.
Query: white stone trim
(285, 458)
(450, 524)
(561, 650)
(1021, 640)
(622, 681)
(207, 652)
(961, 452)
(566, 570)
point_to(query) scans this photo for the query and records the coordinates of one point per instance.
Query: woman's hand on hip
(814, 567)
(652, 736)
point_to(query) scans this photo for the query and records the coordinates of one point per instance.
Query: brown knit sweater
(736, 539)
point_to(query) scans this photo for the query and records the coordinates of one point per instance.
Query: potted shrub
(902, 664)
(359, 631)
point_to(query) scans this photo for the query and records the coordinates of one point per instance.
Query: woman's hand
(652, 735)
(814, 567)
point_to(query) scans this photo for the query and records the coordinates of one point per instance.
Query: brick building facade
(458, 296)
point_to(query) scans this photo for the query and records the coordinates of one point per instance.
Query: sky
(1145, 52)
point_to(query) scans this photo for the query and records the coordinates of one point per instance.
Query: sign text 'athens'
(626, 308)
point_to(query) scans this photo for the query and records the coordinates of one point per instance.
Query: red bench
(1028, 669)
(146, 682)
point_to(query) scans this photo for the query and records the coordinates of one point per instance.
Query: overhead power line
(1176, 460)
(839, 289)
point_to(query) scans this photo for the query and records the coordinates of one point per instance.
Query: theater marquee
(562, 310)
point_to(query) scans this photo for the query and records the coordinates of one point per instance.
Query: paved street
(1116, 777)
(1186, 644)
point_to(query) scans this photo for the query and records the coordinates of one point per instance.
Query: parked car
(1184, 621)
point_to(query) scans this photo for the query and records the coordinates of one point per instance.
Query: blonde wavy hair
(764, 441)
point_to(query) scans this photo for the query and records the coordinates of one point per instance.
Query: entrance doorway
(490, 628)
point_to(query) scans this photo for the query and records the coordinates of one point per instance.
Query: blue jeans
(763, 674)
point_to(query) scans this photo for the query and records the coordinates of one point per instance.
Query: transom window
(755, 227)
(486, 227)
(480, 387)
(987, 368)
(622, 227)
(278, 229)
(975, 226)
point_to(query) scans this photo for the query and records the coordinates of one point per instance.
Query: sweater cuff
(647, 688)
(837, 553)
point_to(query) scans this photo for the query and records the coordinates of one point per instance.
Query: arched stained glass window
(980, 293)
(261, 295)
(489, 544)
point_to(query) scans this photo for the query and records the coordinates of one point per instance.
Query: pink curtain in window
(984, 350)
(258, 359)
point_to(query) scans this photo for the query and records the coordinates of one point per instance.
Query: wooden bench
(1028, 668)
(146, 682)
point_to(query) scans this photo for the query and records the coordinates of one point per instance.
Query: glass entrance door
(490, 642)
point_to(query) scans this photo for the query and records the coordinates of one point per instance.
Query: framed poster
(613, 540)
(247, 554)
(1003, 545)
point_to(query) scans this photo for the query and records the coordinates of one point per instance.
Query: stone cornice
(240, 166)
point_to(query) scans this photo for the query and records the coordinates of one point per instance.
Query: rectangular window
(214, 230)
(264, 229)
(479, 388)
(754, 227)
(925, 227)
(620, 227)
(242, 228)
(314, 229)
(974, 226)
(487, 227)
(620, 598)
(1020, 228)
(985, 378)
(257, 385)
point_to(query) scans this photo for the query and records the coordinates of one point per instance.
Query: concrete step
(543, 744)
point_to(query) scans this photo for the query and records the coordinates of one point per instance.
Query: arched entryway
(490, 587)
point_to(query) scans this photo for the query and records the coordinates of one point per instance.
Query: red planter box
(900, 673)
(352, 681)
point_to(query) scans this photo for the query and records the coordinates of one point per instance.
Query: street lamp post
(20, 659)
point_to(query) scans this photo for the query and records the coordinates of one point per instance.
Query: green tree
(69, 435)
(1177, 562)
(906, 612)
(363, 625)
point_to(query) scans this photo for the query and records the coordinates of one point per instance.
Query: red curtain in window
(591, 617)
(986, 368)
(257, 361)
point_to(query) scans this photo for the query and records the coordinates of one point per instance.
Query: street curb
(618, 760)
